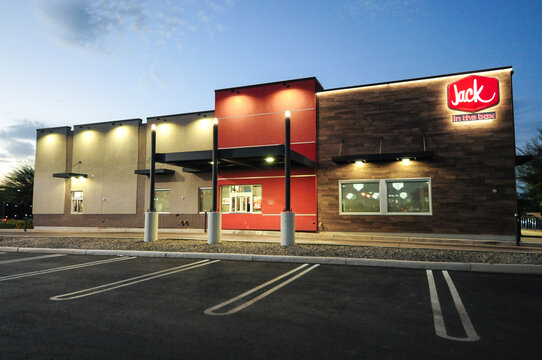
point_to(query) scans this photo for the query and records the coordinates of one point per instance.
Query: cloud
(19, 141)
(87, 23)
(376, 7)
(203, 17)
(23, 130)
(20, 148)
(96, 24)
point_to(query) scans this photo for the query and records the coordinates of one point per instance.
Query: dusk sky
(68, 62)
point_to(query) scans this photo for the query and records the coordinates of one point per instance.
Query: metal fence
(531, 222)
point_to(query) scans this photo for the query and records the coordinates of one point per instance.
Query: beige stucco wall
(188, 132)
(108, 153)
(51, 147)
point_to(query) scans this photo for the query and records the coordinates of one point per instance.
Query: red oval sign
(473, 93)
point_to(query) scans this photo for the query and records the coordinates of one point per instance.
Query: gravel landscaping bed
(346, 251)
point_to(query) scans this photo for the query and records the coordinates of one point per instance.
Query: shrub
(16, 224)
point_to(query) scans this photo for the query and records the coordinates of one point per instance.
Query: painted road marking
(30, 258)
(211, 311)
(130, 281)
(2, 252)
(440, 328)
(63, 268)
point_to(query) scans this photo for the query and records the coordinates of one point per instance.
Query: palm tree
(18, 187)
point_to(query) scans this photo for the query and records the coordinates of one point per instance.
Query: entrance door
(241, 202)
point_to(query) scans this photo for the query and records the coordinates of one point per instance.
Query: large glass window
(385, 197)
(205, 199)
(77, 202)
(407, 196)
(360, 197)
(161, 200)
(241, 198)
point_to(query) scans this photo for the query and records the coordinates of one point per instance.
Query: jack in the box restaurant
(429, 157)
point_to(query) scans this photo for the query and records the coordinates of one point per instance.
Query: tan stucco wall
(51, 147)
(108, 153)
(189, 132)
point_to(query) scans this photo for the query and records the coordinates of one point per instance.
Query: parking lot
(67, 306)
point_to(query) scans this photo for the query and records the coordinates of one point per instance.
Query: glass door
(241, 202)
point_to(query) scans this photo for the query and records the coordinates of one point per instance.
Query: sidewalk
(531, 240)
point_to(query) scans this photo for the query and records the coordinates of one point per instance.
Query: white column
(151, 226)
(287, 228)
(214, 226)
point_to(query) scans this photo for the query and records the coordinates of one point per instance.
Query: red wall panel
(303, 192)
(254, 116)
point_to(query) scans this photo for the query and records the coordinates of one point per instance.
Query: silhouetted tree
(530, 174)
(18, 188)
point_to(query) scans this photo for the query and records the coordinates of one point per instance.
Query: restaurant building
(428, 157)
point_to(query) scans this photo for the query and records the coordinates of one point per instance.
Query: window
(161, 200)
(385, 197)
(408, 196)
(205, 199)
(77, 202)
(241, 198)
(360, 197)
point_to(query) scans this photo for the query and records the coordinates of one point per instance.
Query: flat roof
(417, 79)
(181, 114)
(107, 122)
(273, 83)
(54, 128)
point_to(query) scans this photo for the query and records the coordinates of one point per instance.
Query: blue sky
(67, 62)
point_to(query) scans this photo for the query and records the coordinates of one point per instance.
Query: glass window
(205, 199)
(241, 198)
(161, 200)
(407, 196)
(77, 202)
(385, 197)
(360, 197)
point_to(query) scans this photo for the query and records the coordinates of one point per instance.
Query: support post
(151, 217)
(215, 217)
(287, 217)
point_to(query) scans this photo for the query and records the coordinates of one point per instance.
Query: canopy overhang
(257, 157)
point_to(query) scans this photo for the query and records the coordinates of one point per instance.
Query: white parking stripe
(30, 258)
(63, 268)
(130, 281)
(211, 311)
(440, 328)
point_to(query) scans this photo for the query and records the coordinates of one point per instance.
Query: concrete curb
(403, 264)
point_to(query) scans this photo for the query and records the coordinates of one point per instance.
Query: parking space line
(31, 258)
(211, 311)
(440, 328)
(63, 268)
(130, 281)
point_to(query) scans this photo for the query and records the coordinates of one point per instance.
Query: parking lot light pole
(151, 217)
(215, 217)
(287, 217)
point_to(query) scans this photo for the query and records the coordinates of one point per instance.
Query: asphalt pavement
(62, 306)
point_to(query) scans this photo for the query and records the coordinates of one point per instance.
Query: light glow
(287, 114)
(153, 127)
(405, 161)
(358, 187)
(269, 159)
(359, 163)
(215, 121)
